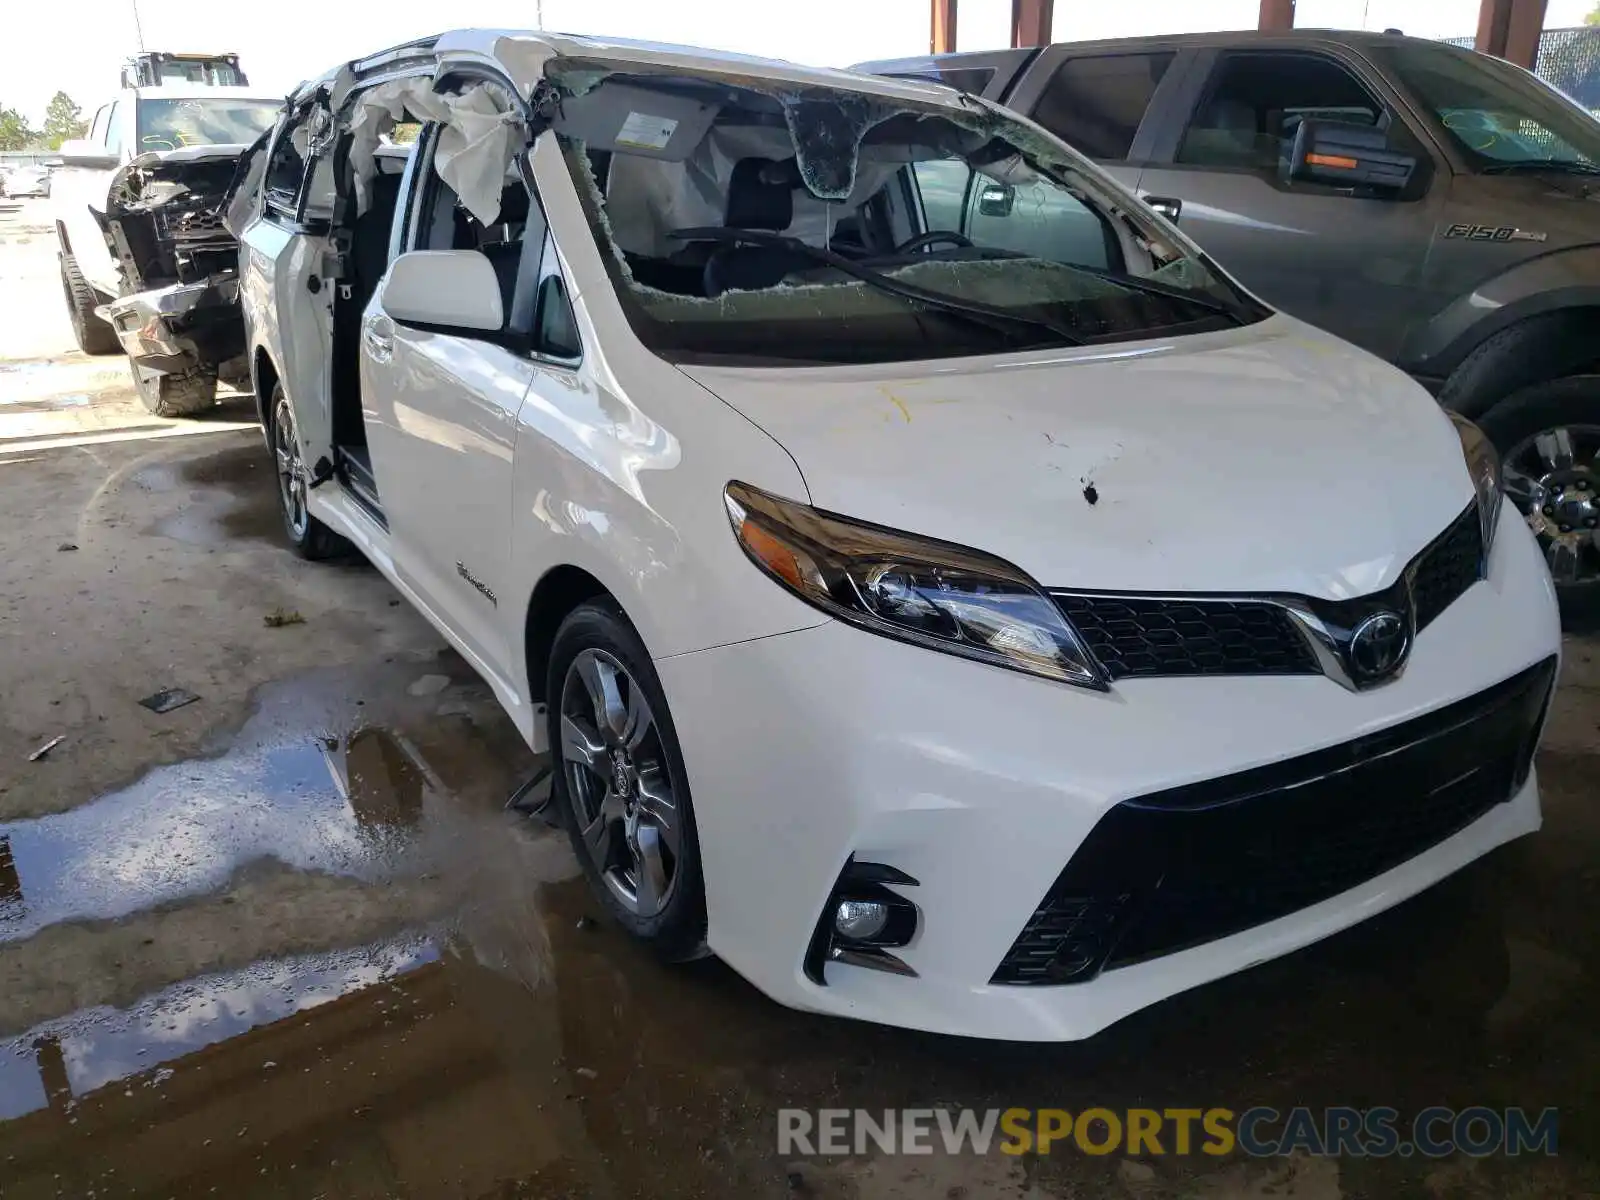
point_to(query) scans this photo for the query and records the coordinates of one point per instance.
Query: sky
(78, 45)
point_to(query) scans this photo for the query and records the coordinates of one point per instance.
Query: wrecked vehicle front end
(178, 317)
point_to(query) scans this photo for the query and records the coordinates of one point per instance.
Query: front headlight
(914, 589)
(1483, 465)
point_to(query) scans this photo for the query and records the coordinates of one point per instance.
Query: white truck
(146, 266)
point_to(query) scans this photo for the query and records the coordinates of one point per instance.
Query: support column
(1031, 21)
(1510, 29)
(942, 35)
(1276, 14)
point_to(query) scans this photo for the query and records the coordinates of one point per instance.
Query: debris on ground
(66, 546)
(588, 1072)
(47, 747)
(279, 617)
(429, 685)
(585, 922)
(1091, 493)
(168, 699)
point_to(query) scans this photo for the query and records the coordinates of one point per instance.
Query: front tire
(92, 334)
(1548, 436)
(620, 782)
(171, 396)
(309, 537)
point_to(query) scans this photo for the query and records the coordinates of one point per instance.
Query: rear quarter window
(1096, 104)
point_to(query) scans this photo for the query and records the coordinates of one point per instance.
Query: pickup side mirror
(444, 289)
(1344, 155)
(995, 199)
(80, 152)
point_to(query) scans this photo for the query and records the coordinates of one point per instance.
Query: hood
(1267, 459)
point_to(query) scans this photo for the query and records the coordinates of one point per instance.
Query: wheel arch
(264, 376)
(560, 590)
(1522, 350)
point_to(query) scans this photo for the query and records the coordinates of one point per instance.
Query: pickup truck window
(774, 230)
(1500, 118)
(1095, 104)
(1256, 102)
(114, 128)
(203, 121)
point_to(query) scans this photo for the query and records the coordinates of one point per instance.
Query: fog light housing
(862, 920)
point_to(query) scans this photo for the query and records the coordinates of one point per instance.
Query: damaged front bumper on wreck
(180, 311)
(180, 327)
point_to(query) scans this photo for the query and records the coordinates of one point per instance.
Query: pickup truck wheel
(620, 782)
(175, 395)
(93, 335)
(310, 538)
(1548, 436)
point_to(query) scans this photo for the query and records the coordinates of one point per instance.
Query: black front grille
(1451, 564)
(1133, 636)
(1177, 868)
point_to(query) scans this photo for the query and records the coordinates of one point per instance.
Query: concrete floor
(284, 941)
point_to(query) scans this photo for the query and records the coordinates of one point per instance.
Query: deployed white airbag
(480, 131)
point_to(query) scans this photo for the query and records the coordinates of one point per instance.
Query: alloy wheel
(291, 475)
(1553, 477)
(621, 792)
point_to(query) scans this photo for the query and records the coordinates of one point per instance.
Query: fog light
(860, 920)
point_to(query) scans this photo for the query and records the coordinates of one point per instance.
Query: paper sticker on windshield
(646, 132)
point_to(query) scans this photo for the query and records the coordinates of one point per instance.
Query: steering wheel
(933, 238)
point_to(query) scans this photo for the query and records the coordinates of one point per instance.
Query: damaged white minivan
(946, 596)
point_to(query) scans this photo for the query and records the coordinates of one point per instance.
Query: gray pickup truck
(1437, 207)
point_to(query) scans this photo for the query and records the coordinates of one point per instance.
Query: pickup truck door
(440, 410)
(1350, 263)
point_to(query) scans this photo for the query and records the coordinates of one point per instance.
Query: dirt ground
(285, 940)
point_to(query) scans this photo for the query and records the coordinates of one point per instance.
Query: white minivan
(945, 594)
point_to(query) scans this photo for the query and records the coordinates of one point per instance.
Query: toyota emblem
(1378, 647)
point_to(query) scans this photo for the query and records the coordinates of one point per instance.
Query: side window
(1256, 103)
(1039, 220)
(286, 169)
(943, 185)
(1095, 104)
(97, 130)
(555, 331)
(114, 128)
(514, 244)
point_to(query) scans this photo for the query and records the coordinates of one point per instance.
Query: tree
(1594, 17)
(14, 131)
(63, 121)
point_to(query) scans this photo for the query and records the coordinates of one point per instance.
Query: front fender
(1562, 279)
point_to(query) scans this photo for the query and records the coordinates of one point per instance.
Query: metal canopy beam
(942, 32)
(1030, 22)
(1510, 29)
(1276, 14)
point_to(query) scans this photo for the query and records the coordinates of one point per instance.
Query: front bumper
(806, 748)
(180, 327)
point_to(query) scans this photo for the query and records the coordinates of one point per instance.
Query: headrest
(761, 195)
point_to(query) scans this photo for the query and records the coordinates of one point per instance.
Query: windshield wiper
(1154, 287)
(993, 319)
(1566, 166)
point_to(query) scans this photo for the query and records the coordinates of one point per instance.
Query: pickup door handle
(378, 334)
(1168, 206)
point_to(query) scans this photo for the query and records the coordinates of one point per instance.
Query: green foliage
(63, 121)
(14, 131)
(1594, 17)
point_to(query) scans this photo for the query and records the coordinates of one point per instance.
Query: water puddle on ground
(231, 495)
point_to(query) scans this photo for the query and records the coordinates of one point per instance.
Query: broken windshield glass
(854, 216)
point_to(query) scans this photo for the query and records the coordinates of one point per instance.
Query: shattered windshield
(823, 225)
(203, 121)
